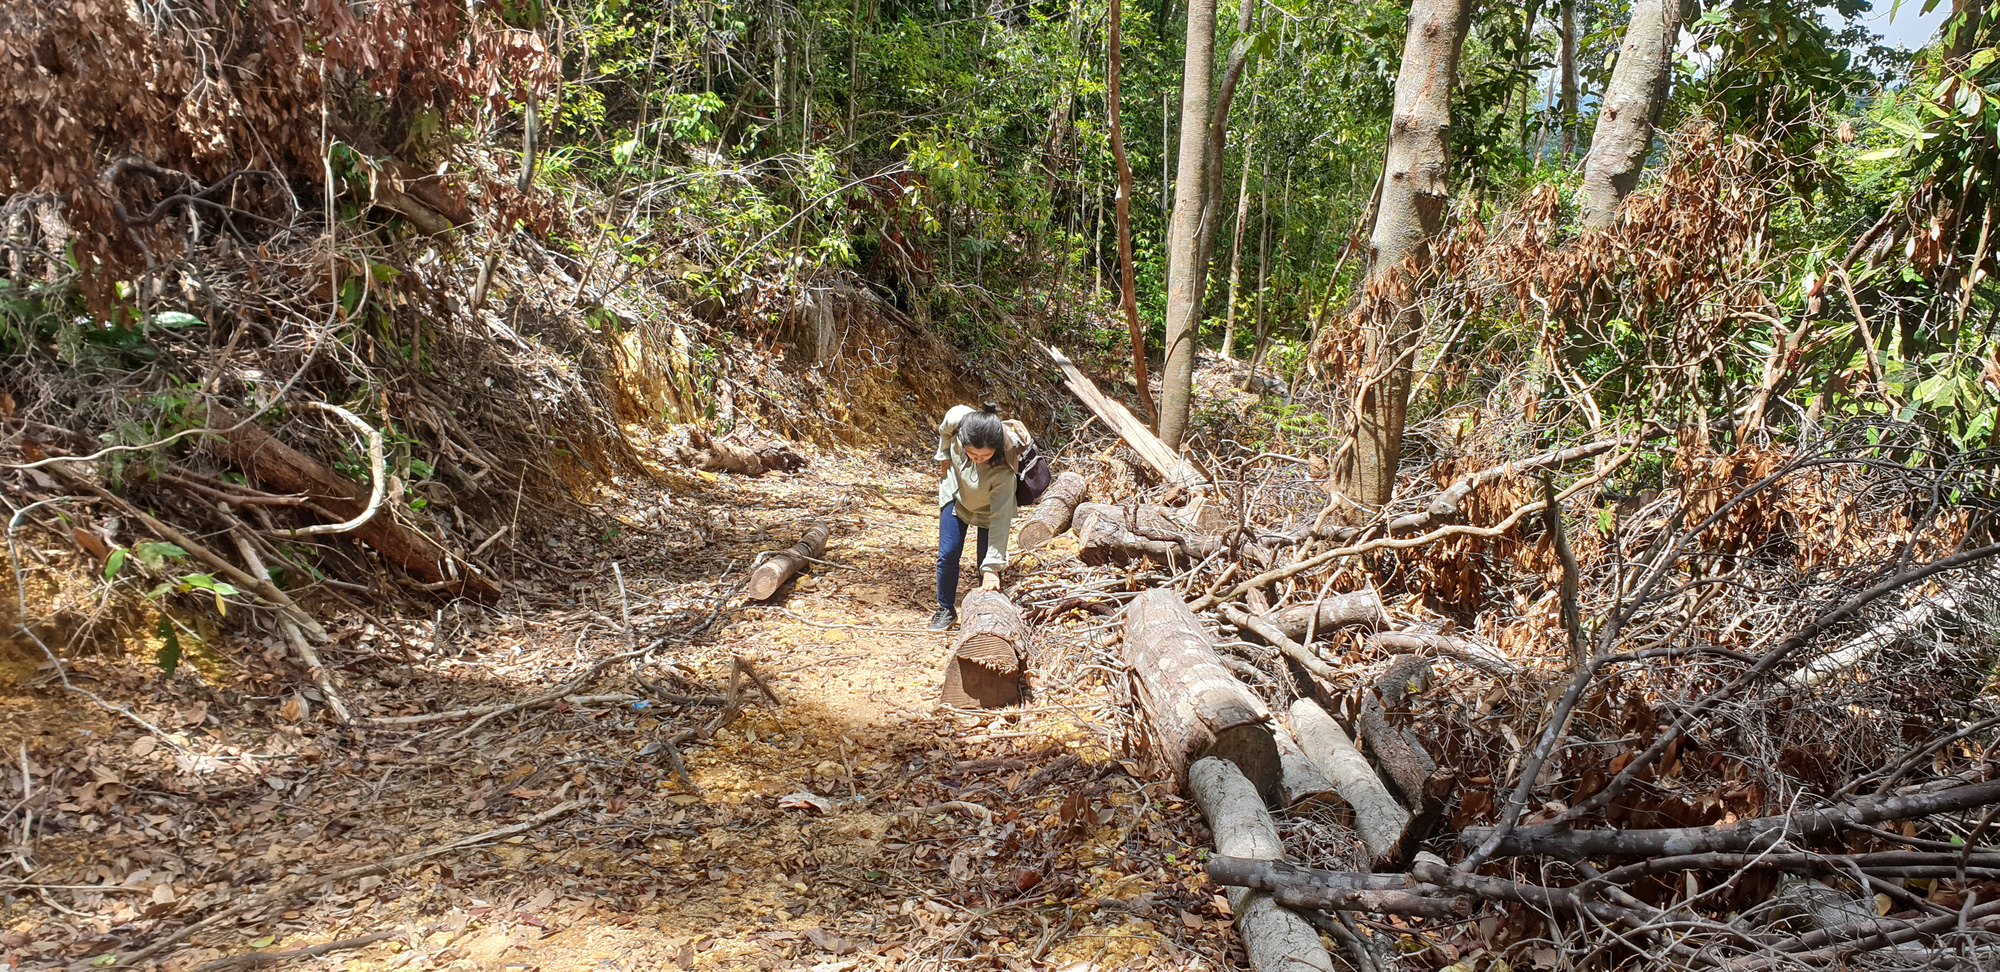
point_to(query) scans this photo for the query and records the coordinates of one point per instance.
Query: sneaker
(944, 619)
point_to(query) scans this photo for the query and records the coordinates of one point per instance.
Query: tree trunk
(1236, 247)
(1121, 535)
(1128, 294)
(1263, 264)
(1275, 938)
(1378, 818)
(1567, 107)
(1193, 707)
(1183, 235)
(984, 670)
(283, 469)
(780, 566)
(1632, 104)
(1402, 760)
(1414, 194)
(1218, 143)
(1053, 513)
(1300, 779)
(1333, 613)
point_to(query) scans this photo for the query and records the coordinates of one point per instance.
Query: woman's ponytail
(982, 429)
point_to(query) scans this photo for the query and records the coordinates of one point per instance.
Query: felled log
(1275, 938)
(1402, 759)
(1472, 654)
(1168, 463)
(1052, 514)
(1299, 887)
(984, 668)
(1300, 780)
(710, 454)
(781, 565)
(1378, 818)
(1193, 707)
(1755, 834)
(1120, 535)
(284, 469)
(1362, 607)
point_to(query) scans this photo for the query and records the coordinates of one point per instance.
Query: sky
(1911, 27)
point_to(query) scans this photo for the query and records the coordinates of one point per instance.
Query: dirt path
(859, 825)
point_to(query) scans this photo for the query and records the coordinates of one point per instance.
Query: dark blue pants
(951, 549)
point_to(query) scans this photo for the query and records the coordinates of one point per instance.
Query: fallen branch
(487, 712)
(1485, 658)
(258, 960)
(1298, 887)
(1392, 543)
(780, 565)
(1448, 502)
(1276, 637)
(378, 472)
(1755, 834)
(235, 575)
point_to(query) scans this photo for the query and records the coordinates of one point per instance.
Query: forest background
(312, 305)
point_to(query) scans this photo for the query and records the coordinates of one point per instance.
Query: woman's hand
(990, 581)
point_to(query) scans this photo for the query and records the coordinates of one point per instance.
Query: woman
(976, 490)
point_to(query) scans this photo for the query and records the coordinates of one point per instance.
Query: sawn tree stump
(1052, 514)
(780, 566)
(984, 669)
(1193, 707)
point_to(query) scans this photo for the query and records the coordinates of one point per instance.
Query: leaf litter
(860, 825)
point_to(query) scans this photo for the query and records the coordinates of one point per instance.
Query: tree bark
(1053, 513)
(1300, 780)
(284, 469)
(1632, 104)
(1193, 707)
(1128, 295)
(1414, 194)
(1378, 818)
(1121, 535)
(1567, 55)
(780, 566)
(1275, 938)
(1218, 143)
(1402, 759)
(1183, 235)
(984, 669)
(1236, 247)
(1750, 835)
(1332, 613)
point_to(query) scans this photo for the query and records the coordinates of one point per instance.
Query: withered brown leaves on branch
(186, 93)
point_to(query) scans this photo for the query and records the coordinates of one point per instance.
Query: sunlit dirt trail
(857, 825)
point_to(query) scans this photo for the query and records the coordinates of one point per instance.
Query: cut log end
(984, 669)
